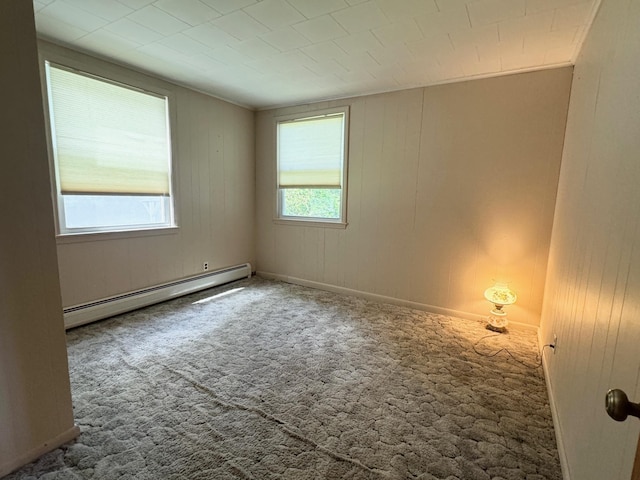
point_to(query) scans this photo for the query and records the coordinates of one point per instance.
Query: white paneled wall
(592, 300)
(214, 178)
(449, 187)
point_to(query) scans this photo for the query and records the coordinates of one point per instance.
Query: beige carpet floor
(266, 380)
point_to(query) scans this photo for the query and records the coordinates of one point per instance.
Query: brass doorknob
(619, 407)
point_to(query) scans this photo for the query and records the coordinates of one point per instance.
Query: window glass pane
(111, 147)
(311, 202)
(101, 211)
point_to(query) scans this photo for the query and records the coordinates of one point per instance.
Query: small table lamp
(500, 295)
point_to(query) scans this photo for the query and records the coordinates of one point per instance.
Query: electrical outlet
(555, 343)
(205, 266)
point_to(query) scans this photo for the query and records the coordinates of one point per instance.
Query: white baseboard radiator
(107, 307)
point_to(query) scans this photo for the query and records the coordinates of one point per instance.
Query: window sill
(298, 222)
(114, 235)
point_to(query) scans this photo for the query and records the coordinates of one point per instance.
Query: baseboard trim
(385, 299)
(564, 464)
(77, 315)
(34, 454)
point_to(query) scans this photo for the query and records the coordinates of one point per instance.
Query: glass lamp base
(497, 323)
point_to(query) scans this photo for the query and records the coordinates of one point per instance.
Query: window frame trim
(115, 75)
(340, 222)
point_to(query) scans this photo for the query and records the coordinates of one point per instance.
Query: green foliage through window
(311, 202)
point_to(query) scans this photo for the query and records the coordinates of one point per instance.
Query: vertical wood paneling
(592, 299)
(35, 397)
(214, 165)
(371, 196)
(449, 188)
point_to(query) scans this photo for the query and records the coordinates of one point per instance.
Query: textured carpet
(275, 381)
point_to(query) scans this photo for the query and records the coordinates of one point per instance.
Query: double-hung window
(312, 166)
(111, 152)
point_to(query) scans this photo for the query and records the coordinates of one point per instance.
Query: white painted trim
(384, 299)
(37, 452)
(564, 464)
(90, 312)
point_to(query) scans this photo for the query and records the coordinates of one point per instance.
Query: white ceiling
(262, 53)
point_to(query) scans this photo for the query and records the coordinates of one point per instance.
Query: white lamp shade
(500, 294)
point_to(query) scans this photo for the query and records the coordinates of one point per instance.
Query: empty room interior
(346, 199)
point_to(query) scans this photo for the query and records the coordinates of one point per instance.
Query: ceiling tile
(256, 48)
(184, 44)
(557, 38)
(260, 52)
(491, 52)
(210, 35)
(158, 20)
(285, 39)
(398, 33)
(108, 10)
(315, 8)
(228, 6)
(240, 25)
(193, 12)
(396, 10)
(320, 29)
(391, 55)
(571, 16)
(386, 74)
(356, 76)
(106, 43)
(484, 12)
(558, 55)
(283, 62)
(37, 6)
(229, 56)
(161, 51)
(205, 62)
(479, 35)
(358, 42)
(133, 31)
(441, 23)
(136, 4)
(474, 60)
(360, 61)
(518, 62)
(431, 47)
(537, 6)
(444, 5)
(67, 13)
(413, 74)
(325, 51)
(446, 69)
(327, 67)
(56, 29)
(515, 29)
(274, 13)
(364, 16)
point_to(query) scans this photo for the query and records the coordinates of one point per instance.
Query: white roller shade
(108, 139)
(310, 152)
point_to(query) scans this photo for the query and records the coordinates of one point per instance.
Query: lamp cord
(489, 355)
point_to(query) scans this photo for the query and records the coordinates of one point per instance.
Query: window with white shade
(312, 166)
(111, 151)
